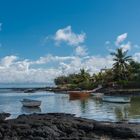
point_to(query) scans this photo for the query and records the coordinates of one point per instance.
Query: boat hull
(31, 103)
(78, 95)
(97, 95)
(116, 99)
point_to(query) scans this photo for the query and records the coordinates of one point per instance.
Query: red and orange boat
(78, 94)
(82, 93)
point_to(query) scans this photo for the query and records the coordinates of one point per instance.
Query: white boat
(116, 99)
(97, 95)
(30, 103)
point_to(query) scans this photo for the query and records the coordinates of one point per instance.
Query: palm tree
(121, 64)
(84, 75)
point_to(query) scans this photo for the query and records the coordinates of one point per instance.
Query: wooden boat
(82, 93)
(85, 91)
(30, 103)
(78, 95)
(116, 99)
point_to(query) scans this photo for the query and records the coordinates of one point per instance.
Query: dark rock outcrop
(4, 115)
(59, 126)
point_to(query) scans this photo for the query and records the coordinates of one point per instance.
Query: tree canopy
(124, 71)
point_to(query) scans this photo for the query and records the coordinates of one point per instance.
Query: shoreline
(61, 126)
(106, 91)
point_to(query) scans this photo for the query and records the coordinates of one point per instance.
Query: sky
(43, 39)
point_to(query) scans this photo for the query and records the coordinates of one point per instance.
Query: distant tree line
(125, 73)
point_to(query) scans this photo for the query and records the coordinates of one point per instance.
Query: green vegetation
(81, 80)
(121, 65)
(125, 73)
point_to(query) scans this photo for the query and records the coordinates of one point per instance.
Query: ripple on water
(88, 108)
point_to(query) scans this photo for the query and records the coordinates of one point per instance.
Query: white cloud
(8, 60)
(68, 36)
(46, 68)
(126, 46)
(81, 51)
(0, 26)
(96, 63)
(15, 70)
(92, 63)
(119, 43)
(51, 58)
(120, 39)
(136, 56)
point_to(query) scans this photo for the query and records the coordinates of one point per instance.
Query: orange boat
(78, 94)
(83, 93)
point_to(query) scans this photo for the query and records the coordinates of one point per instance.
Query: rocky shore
(106, 91)
(59, 126)
(32, 90)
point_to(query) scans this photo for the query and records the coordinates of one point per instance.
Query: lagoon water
(88, 108)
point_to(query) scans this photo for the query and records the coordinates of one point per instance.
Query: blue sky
(33, 31)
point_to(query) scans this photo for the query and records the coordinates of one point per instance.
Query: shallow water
(88, 108)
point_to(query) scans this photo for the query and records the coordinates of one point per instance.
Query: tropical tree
(84, 75)
(61, 80)
(135, 71)
(121, 64)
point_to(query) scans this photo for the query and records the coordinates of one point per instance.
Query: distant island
(124, 74)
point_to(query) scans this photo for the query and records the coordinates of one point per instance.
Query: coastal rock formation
(59, 126)
(4, 115)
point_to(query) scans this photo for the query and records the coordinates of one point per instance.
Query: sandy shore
(59, 126)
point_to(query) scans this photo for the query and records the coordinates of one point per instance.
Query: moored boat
(97, 95)
(78, 94)
(84, 92)
(30, 103)
(116, 99)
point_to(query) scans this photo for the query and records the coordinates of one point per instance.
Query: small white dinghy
(30, 103)
(97, 95)
(116, 99)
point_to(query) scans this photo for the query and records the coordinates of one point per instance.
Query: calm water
(87, 108)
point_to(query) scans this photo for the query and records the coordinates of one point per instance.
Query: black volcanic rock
(4, 115)
(60, 126)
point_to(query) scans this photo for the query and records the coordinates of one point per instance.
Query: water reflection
(121, 111)
(78, 97)
(135, 106)
(83, 101)
(134, 110)
(31, 110)
(83, 105)
(86, 107)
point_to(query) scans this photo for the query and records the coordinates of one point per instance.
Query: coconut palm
(84, 75)
(121, 64)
